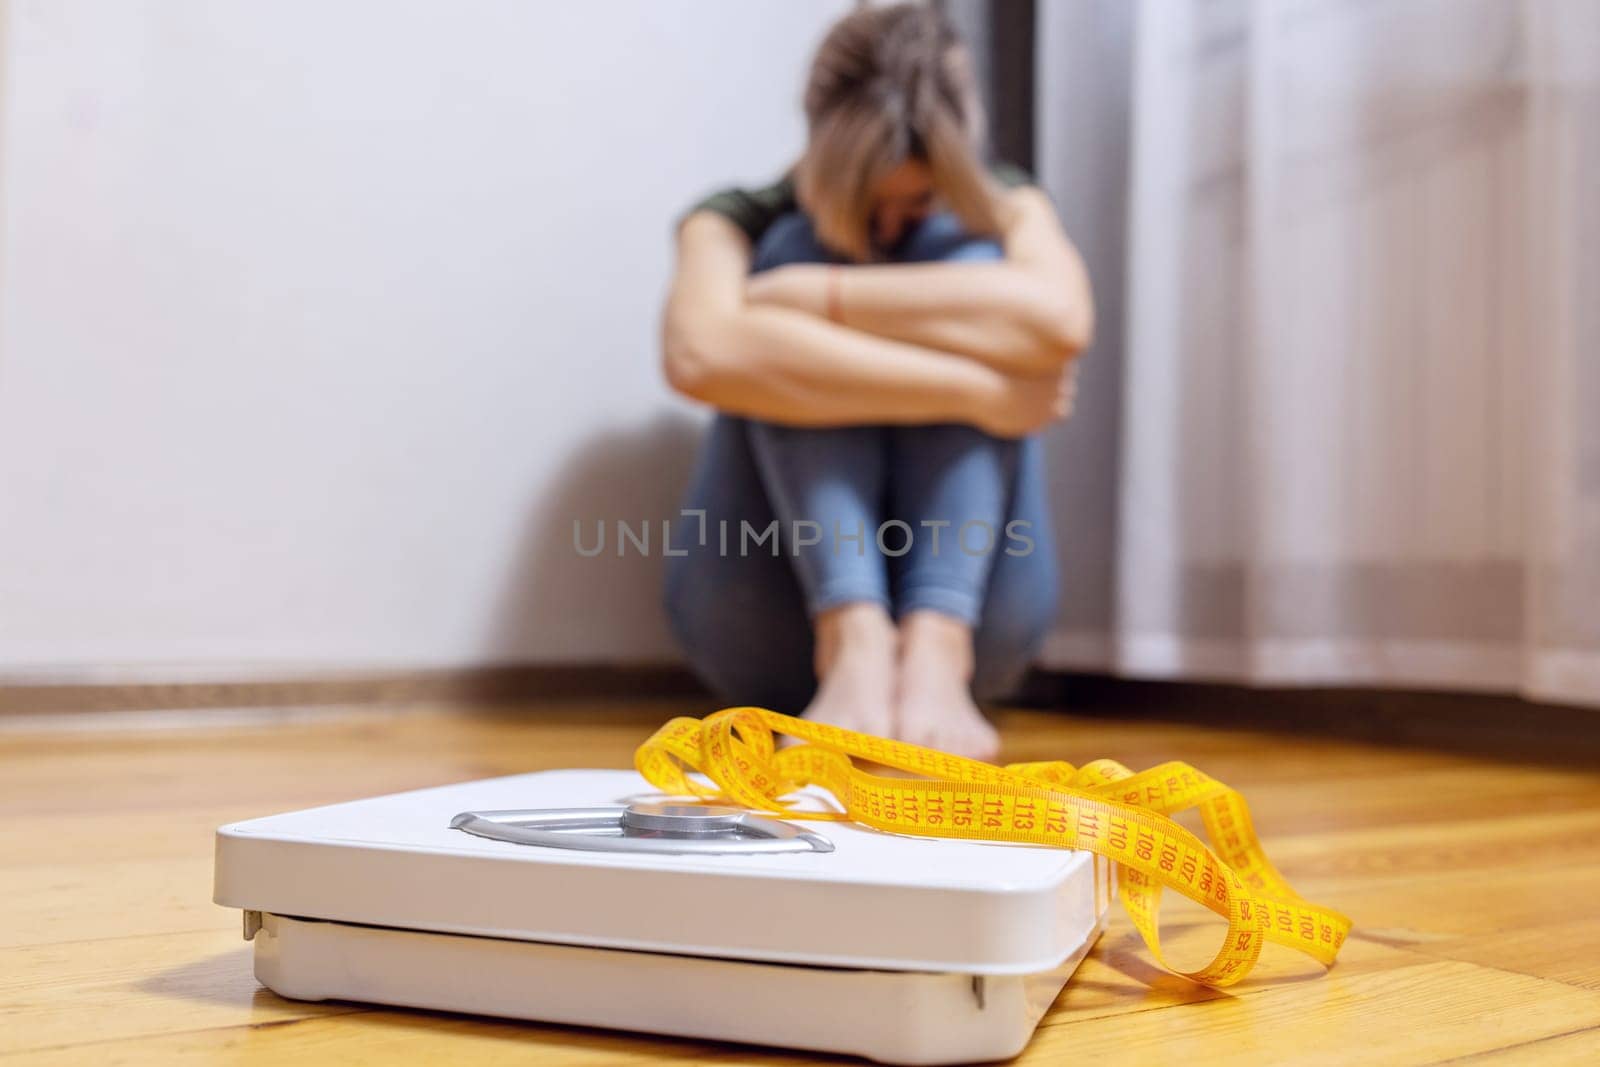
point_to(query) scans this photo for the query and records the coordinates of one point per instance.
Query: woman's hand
(1018, 405)
(798, 286)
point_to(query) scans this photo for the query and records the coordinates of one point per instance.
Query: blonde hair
(890, 84)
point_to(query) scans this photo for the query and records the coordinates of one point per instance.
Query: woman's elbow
(1076, 333)
(689, 360)
(1059, 339)
(1058, 313)
(1067, 329)
(684, 368)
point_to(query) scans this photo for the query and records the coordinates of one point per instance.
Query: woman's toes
(980, 740)
(972, 740)
(857, 692)
(918, 729)
(939, 713)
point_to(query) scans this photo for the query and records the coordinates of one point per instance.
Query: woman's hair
(890, 84)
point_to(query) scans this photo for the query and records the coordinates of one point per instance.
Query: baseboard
(459, 686)
(1477, 723)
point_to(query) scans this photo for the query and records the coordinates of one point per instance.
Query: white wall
(321, 322)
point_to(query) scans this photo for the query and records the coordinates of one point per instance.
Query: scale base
(888, 1016)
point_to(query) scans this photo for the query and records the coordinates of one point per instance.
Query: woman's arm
(1030, 312)
(783, 365)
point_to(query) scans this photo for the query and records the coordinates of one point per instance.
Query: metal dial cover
(648, 826)
(669, 818)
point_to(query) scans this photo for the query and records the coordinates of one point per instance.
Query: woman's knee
(790, 239)
(940, 238)
(1019, 612)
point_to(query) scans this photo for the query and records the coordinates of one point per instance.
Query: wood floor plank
(382, 1039)
(1405, 1015)
(87, 901)
(1577, 1048)
(85, 992)
(1467, 846)
(1120, 978)
(63, 838)
(1420, 908)
(1423, 796)
(1563, 951)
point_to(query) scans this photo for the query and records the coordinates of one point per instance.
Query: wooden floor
(1474, 884)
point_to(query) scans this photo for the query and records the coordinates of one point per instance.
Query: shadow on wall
(561, 605)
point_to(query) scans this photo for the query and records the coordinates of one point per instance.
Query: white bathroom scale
(584, 897)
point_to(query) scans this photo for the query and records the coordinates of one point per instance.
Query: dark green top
(753, 210)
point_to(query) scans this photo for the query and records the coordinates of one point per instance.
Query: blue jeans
(972, 538)
(945, 486)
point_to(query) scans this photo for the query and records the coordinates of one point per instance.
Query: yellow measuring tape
(1102, 807)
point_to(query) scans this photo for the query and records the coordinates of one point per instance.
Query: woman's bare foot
(935, 706)
(855, 669)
